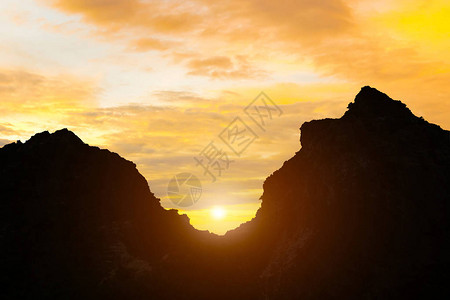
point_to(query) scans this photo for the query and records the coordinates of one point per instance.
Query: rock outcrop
(362, 210)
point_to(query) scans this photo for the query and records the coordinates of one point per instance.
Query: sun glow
(234, 215)
(218, 212)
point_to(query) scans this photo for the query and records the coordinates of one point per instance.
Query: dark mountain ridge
(361, 211)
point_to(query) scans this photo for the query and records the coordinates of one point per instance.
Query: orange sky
(156, 81)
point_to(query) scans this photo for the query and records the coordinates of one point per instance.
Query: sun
(218, 212)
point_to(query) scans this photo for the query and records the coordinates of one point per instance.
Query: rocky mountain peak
(371, 104)
(61, 137)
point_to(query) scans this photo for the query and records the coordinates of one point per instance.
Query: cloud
(32, 102)
(23, 90)
(304, 16)
(219, 62)
(117, 15)
(221, 67)
(6, 129)
(182, 98)
(222, 39)
(148, 44)
(351, 40)
(301, 20)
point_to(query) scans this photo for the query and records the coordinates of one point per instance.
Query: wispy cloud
(20, 89)
(221, 67)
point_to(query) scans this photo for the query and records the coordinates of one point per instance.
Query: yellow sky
(157, 81)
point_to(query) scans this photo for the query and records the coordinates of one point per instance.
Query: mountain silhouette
(360, 212)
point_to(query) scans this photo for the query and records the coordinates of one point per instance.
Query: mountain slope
(362, 210)
(77, 221)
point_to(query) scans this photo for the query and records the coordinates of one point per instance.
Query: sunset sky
(157, 81)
